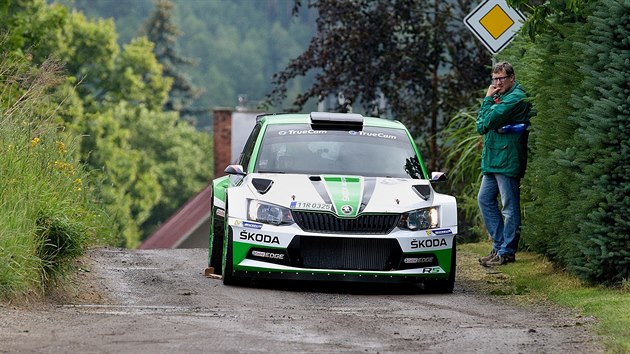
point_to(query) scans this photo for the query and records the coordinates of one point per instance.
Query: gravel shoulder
(160, 301)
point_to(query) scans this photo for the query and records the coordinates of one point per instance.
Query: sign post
(494, 23)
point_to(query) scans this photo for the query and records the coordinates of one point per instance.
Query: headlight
(269, 213)
(420, 219)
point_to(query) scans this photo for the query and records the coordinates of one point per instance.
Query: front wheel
(228, 262)
(228, 278)
(216, 242)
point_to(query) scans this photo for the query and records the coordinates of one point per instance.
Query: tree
(418, 55)
(180, 158)
(161, 30)
(112, 99)
(576, 68)
(548, 16)
(240, 43)
(600, 151)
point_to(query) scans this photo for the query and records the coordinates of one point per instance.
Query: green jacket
(504, 153)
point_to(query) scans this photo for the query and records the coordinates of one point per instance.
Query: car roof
(305, 118)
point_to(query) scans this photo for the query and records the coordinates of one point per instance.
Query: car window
(372, 151)
(248, 149)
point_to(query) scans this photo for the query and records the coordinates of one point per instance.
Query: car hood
(347, 196)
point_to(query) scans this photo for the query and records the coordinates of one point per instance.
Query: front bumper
(287, 252)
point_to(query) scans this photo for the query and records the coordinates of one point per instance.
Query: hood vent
(422, 190)
(262, 185)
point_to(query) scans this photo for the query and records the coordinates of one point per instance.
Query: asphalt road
(159, 301)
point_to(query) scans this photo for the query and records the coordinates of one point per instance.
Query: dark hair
(503, 65)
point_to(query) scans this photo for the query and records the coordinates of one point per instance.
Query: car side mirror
(235, 170)
(438, 177)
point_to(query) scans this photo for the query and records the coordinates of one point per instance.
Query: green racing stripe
(345, 193)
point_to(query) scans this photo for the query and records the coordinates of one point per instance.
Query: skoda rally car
(332, 196)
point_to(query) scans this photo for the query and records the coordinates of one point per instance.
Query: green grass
(48, 215)
(532, 279)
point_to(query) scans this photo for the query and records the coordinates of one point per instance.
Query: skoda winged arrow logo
(346, 209)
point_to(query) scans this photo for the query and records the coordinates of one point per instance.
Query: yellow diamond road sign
(494, 23)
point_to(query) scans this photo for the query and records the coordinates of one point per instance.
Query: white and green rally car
(332, 196)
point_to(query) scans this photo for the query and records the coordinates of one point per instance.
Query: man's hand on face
(492, 90)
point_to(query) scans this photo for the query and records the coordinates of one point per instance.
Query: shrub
(47, 213)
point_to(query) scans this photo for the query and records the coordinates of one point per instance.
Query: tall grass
(47, 213)
(462, 154)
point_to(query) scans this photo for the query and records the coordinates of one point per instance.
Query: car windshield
(371, 151)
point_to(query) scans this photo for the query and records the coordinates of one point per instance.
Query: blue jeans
(503, 224)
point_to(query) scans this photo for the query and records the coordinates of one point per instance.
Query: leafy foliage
(575, 193)
(417, 55)
(161, 30)
(237, 45)
(462, 150)
(546, 192)
(547, 16)
(174, 153)
(600, 151)
(112, 98)
(577, 184)
(49, 212)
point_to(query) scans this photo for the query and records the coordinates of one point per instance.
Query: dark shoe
(499, 260)
(488, 257)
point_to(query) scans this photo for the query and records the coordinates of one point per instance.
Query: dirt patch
(160, 301)
(83, 286)
(86, 286)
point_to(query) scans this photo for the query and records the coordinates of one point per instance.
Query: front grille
(329, 223)
(376, 254)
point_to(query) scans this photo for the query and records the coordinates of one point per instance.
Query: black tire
(216, 242)
(228, 258)
(446, 286)
(228, 265)
(228, 277)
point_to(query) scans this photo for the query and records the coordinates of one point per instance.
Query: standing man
(503, 120)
